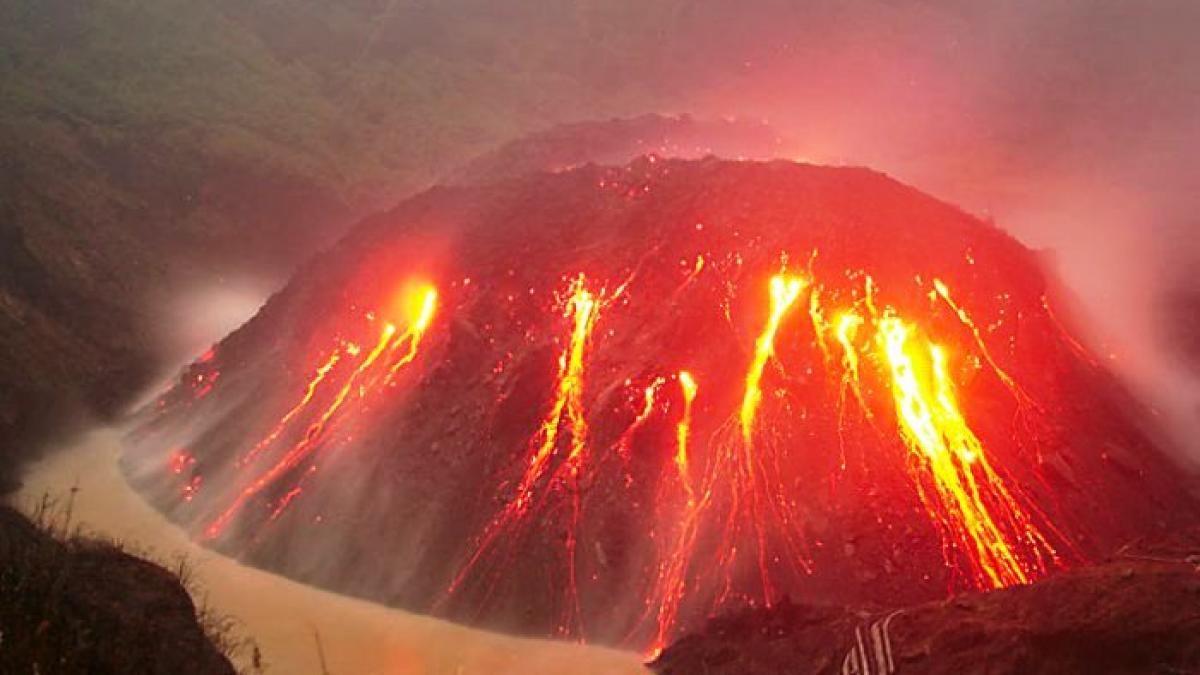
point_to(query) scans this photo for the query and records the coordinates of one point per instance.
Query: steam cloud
(1072, 123)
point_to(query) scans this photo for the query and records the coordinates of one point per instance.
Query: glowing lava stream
(784, 292)
(581, 309)
(847, 328)
(747, 482)
(688, 384)
(671, 581)
(315, 433)
(649, 398)
(943, 292)
(315, 382)
(963, 481)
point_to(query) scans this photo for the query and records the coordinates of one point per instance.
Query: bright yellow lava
(785, 290)
(846, 330)
(419, 323)
(688, 385)
(933, 427)
(581, 308)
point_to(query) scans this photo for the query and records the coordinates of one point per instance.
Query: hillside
(608, 401)
(149, 147)
(73, 604)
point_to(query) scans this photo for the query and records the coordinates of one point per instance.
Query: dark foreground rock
(1138, 612)
(85, 606)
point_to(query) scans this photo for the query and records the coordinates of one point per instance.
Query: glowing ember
(969, 502)
(784, 292)
(688, 385)
(381, 360)
(581, 309)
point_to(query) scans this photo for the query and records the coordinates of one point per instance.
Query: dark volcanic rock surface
(391, 503)
(1135, 614)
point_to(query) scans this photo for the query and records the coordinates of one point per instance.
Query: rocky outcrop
(75, 605)
(1136, 613)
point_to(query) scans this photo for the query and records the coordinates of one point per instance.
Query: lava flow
(560, 455)
(581, 309)
(784, 292)
(969, 501)
(670, 582)
(751, 482)
(364, 378)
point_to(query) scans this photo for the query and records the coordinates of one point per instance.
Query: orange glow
(412, 304)
(417, 327)
(683, 428)
(380, 362)
(309, 391)
(582, 310)
(969, 501)
(944, 292)
(784, 292)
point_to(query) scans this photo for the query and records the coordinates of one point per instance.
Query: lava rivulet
(670, 580)
(581, 310)
(784, 292)
(683, 429)
(649, 401)
(358, 382)
(966, 498)
(846, 330)
(698, 425)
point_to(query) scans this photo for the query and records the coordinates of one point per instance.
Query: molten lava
(682, 430)
(354, 388)
(581, 309)
(965, 497)
(551, 452)
(784, 292)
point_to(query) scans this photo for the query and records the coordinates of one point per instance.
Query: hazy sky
(1075, 124)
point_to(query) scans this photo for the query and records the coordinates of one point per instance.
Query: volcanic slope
(608, 403)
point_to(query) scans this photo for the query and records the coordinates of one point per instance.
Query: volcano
(607, 403)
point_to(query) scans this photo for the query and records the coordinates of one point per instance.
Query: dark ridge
(1134, 614)
(70, 604)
